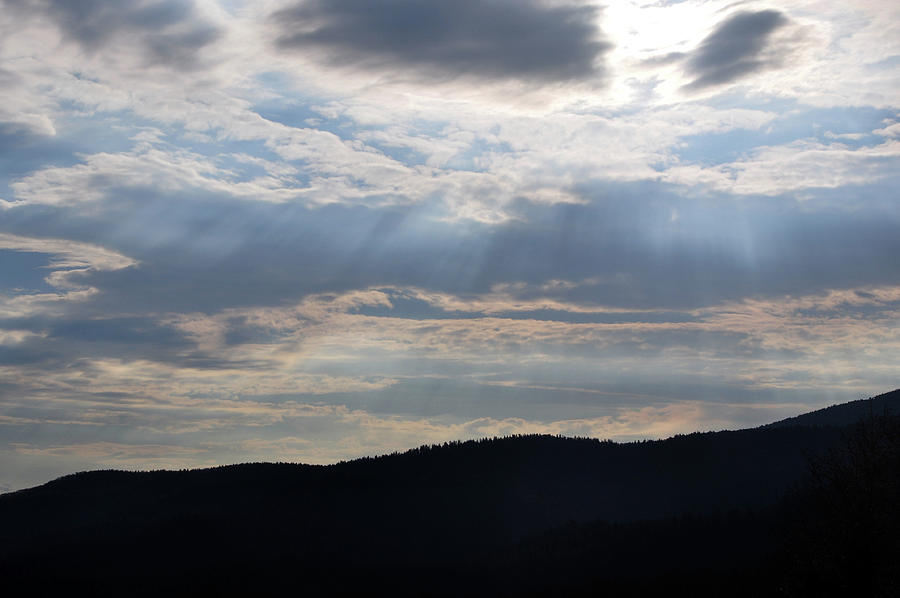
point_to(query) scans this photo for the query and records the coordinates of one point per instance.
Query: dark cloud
(505, 39)
(62, 341)
(622, 246)
(24, 148)
(179, 49)
(27, 355)
(117, 330)
(739, 46)
(65, 338)
(168, 31)
(15, 136)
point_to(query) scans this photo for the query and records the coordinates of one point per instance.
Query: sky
(312, 230)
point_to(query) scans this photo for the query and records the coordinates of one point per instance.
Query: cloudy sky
(310, 230)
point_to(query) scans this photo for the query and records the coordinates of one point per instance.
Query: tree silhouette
(845, 537)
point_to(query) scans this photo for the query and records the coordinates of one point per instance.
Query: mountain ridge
(839, 415)
(842, 414)
(457, 506)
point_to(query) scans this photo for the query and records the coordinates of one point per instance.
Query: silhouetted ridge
(846, 413)
(523, 514)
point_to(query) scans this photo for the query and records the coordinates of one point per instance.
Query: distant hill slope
(403, 518)
(500, 488)
(845, 413)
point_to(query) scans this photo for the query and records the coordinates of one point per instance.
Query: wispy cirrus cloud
(68, 255)
(68, 263)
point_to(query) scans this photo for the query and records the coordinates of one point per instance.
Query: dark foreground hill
(845, 413)
(733, 512)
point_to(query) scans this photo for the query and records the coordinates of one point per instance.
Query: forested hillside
(517, 515)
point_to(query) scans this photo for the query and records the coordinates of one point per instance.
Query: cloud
(260, 246)
(16, 136)
(69, 257)
(108, 450)
(892, 130)
(523, 157)
(739, 46)
(202, 252)
(168, 32)
(523, 40)
(796, 166)
(68, 265)
(458, 377)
